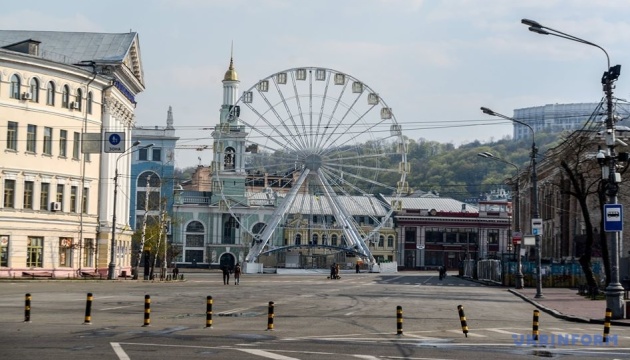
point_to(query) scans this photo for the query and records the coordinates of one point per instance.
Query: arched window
(88, 102)
(315, 239)
(50, 94)
(228, 161)
(152, 189)
(79, 99)
(298, 239)
(381, 241)
(65, 97)
(333, 240)
(194, 243)
(390, 241)
(229, 232)
(34, 90)
(15, 86)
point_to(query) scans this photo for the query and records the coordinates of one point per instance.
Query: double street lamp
(535, 213)
(517, 220)
(608, 159)
(111, 271)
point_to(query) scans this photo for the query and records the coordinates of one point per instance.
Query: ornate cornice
(119, 110)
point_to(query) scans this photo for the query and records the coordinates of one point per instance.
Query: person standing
(237, 274)
(226, 274)
(358, 268)
(332, 271)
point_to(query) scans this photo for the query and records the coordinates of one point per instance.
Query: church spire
(169, 118)
(231, 74)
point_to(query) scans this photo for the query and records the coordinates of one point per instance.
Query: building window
(76, 146)
(12, 128)
(44, 196)
(143, 154)
(194, 239)
(28, 194)
(31, 137)
(73, 199)
(229, 232)
(433, 235)
(88, 253)
(314, 239)
(298, 239)
(390, 241)
(34, 251)
(50, 94)
(157, 155)
(63, 143)
(65, 252)
(4, 250)
(48, 141)
(381, 241)
(60, 195)
(9, 193)
(34, 90)
(15, 87)
(65, 97)
(154, 200)
(79, 99)
(88, 103)
(333, 240)
(493, 236)
(410, 235)
(84, 200)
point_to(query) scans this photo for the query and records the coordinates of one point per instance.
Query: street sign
(517, 236)
(537, 226)
(613, 217)
(114, 142)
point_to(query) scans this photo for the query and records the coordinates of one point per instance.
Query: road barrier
(27, 308)
(147, 310)
(535, 331)
(399, 320)
(462, 318)
(209, 312)
(270, 316)
(88, 309)
(607, 324)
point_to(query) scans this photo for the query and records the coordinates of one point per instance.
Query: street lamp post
(614, 290)
(535, 213)
(517, 221)
(111, 271)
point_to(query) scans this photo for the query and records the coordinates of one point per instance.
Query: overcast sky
(434, 62)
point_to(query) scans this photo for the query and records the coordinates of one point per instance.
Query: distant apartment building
(60, 92)
(556, 118)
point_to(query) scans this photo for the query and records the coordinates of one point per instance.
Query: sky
(434, 62)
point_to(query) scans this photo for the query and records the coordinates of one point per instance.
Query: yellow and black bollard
(147, 310)
(462, 318)
(270, 316)
(209, 312)
(607, 324)
(399, 320)
(88, 309)
(27, 308)
(535, 331)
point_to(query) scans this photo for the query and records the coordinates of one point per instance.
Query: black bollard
(462, 318)
(399, 320)
(607, 324)
(147, 310)
(88, 309)
(209, 312)
(270, 316)
(535, 331)
(27, 308)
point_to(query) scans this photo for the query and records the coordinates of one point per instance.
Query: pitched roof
(74, 47)
(437, 203)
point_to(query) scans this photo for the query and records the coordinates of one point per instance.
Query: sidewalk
(566, 304)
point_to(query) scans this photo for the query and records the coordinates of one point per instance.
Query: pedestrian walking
(332, 271)
(237, 274)
(358, 268)
(337, 277)
(226, 274)
(175, 272)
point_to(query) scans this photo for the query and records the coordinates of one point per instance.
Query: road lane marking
(267, 354)
(122, 355)
(116, 307)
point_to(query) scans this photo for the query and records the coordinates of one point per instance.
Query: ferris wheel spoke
(299, 106)
(339, 176)
(365, 156)
(283, 100)
(332, 115)
(331, 143)
(272, 128)
(363, 167)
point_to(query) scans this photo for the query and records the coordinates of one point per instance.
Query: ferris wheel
(319, 149)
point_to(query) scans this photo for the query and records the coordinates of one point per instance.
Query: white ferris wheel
(319, 148)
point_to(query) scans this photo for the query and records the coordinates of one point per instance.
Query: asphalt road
(314, 318)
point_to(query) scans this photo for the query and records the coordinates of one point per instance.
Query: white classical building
(60, 92)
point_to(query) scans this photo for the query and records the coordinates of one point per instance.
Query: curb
(559, 315)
